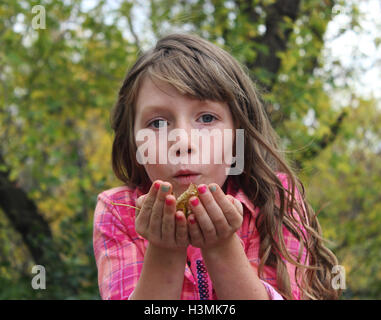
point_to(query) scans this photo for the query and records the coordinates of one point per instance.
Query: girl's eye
(208, 118)
(157, 124)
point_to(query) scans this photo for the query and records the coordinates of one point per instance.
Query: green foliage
(344, 182)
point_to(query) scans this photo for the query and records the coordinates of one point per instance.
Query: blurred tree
(54, 83)
(344, 182)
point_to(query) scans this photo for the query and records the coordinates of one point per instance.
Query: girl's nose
(184, 144)
(178, 151)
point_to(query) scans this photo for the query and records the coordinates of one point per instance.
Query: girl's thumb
(140, 200)
(236, 203)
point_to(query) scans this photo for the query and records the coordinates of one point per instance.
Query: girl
(249, 236)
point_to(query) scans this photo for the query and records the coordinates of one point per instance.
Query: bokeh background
(318, 64)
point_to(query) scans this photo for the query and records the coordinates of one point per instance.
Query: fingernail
(202, 188)
(164, 188)
(212, 188)
(194, 202)
(168, 201)
(157, 185)
(192, 220)
(178, 217)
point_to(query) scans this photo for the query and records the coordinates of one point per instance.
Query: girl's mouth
(186, 179)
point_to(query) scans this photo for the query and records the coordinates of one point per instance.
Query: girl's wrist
(162, 274)
(223, 249)
(170, 252)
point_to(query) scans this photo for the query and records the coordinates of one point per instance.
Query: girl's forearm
(233, 277)
(162, 275)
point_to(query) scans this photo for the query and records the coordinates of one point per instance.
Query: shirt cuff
(273, 294)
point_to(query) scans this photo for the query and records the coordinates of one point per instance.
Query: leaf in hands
(182, 201)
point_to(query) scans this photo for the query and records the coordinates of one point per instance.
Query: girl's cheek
(225, 153)
(157, 171)
(149, 149)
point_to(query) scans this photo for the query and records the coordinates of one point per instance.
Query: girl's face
(161, 107)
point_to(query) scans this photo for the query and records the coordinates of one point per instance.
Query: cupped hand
(157, 220)
(215, 217)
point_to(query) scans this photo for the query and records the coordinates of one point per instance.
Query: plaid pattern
(119, 250)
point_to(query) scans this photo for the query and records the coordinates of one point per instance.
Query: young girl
(249, 236)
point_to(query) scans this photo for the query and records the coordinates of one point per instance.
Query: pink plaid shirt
(119, 250)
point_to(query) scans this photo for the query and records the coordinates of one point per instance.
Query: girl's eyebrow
(152, 109)
(149, 109)
(200, 103)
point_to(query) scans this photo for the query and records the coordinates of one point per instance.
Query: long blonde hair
(202, 70)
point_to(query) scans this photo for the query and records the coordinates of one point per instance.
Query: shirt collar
(140, 190)
(238, 193)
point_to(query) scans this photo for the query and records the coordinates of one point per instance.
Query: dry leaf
(182, 201)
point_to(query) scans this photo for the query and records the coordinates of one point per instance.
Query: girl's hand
(215, 217)
(157, 220)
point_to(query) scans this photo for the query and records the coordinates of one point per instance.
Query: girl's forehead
(156, 96)
(155, 92)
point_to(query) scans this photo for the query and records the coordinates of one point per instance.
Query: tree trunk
(33, 228)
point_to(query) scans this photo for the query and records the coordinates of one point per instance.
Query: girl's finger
(236, 203)
(139, 201)
(231, 213)
(214, 211)
(182, 239)
(206, 225)
(195, 234)
(157, 209)
(168, 224)
(145, 213)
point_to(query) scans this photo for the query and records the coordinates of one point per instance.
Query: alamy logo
(157, 145)
(39, 280)
(39, 20)
(338, 281)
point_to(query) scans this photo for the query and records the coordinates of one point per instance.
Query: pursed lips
(186, 177)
